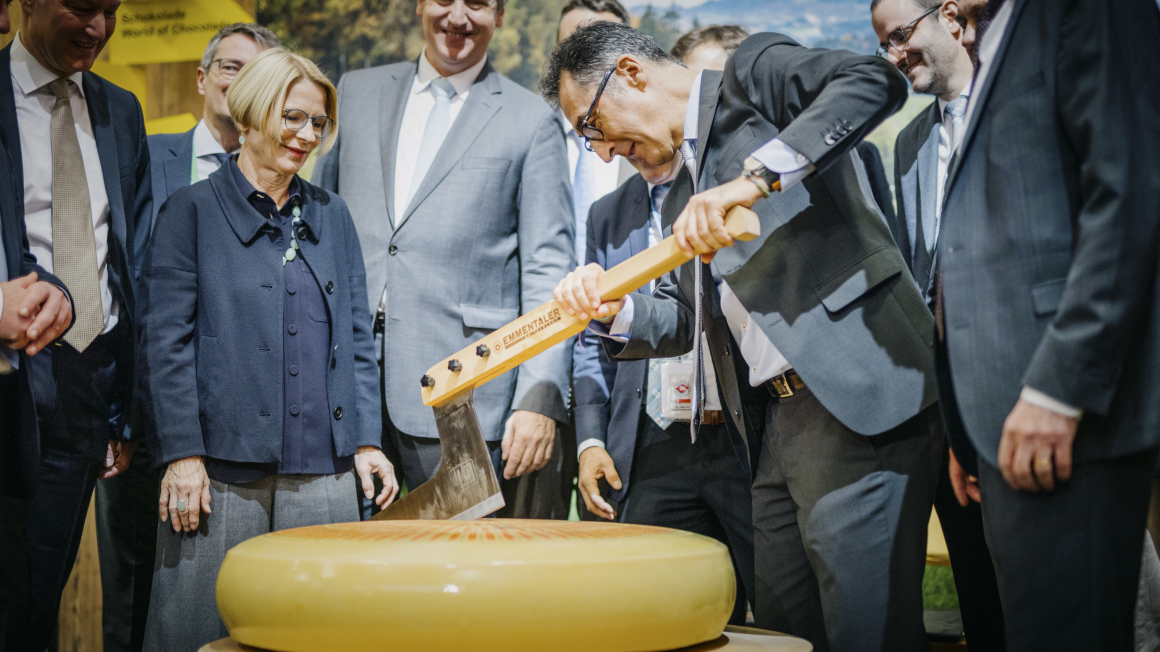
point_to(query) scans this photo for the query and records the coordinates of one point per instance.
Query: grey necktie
(654, 387)
(689, 154)
(438, 123)
(74, 251)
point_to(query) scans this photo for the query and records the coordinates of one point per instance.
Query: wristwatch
(761, 176)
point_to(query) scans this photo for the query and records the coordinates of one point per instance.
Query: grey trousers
(183, 613)
(840, 524)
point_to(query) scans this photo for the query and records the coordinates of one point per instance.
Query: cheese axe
(465, 486)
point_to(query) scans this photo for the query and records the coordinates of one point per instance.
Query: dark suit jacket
(1049, 240)
(211, 325)
(608, 393)
(171, 156)
(824, 280)
(119, 128)
(916, 180)
(876, 176)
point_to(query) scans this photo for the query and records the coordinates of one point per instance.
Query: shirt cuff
(589, 443)
(790, 165)
(1038, 398)
(620, 326)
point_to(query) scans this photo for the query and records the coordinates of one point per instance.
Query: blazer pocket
(485, 163)
(1045, 296)
(856, 280)
(485, 318)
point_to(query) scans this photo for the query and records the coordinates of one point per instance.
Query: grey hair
(591, 50)
(261, 35)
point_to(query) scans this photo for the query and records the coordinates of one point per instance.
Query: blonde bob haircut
(259, 92)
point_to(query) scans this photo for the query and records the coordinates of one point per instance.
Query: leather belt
(785, 385)
(712, 418)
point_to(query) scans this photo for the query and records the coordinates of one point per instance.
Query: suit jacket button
(330, 287)
(638, 392)
(829, 139)
(338, 413)
(392, 250)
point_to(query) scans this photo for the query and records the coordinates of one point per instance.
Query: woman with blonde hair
(257, 365)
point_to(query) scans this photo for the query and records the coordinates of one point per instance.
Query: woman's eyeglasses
(296, 119)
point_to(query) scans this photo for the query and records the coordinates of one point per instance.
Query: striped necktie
(74, 251)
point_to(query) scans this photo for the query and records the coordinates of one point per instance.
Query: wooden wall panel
(80, 604)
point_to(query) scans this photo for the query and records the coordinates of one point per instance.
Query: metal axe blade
(465, 486)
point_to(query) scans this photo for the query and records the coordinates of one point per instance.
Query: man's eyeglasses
(227, 68)
(900, 38)
(592, 133)
(297, 119)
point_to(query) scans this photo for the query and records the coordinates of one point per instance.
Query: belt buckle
(782, 386)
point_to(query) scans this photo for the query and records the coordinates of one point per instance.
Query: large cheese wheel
(510, 585)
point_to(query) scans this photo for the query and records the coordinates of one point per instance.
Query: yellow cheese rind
(494, 584)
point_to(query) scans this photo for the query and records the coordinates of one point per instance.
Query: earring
(241, 139)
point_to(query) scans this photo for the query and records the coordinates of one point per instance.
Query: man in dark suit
(695, 486)
(1047, 349)
(828, 339)
(923, 39)
(77, 148)
(27, 305)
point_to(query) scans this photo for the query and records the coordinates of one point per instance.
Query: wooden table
(735, 639)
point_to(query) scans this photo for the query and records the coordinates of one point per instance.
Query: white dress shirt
(988, 52)
(204, 147)
(419, 105)
(605, 181)
(34, 102)
(763, 358)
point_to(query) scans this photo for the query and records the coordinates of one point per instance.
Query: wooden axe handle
(506, 348)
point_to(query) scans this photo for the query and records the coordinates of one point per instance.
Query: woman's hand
(369, 461)
(185, 481)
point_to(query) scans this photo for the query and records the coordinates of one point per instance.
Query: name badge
(677, 386)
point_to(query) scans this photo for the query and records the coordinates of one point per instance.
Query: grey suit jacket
(824, 280)
(487, 237)
(916, 182)
(1048, 247)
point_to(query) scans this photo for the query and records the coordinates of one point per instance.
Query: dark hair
(922, 5)
(729, 37)
(591, 50)
(261, 35)
(599, 7)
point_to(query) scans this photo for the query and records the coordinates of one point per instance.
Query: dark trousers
(840, 523)
(14, 586)
(78, 399)
(698, 487)
(127, 541)
(975, 582)
(1068, 561)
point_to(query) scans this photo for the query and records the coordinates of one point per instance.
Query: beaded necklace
(292, 252)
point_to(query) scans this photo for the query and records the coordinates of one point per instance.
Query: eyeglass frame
(219, 64)
(325, 131)
(584, 126)
(884, 48)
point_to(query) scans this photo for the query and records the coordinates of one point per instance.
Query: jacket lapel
(984, 94)
(179, 166)
(106, 139)
(9, 128)
(477, 111)
(707, 110)
(395, 92)
(927, 182)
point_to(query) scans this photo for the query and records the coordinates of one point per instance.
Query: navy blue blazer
(20, 439)
(608, 392)
(172, 157)
(119, 129)
(211, 325)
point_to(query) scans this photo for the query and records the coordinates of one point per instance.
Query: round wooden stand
(735, 639)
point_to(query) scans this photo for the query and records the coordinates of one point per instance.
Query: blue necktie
(438, 123)
(653, 388)
(689, 154)
(221, 157)
(583, 194)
